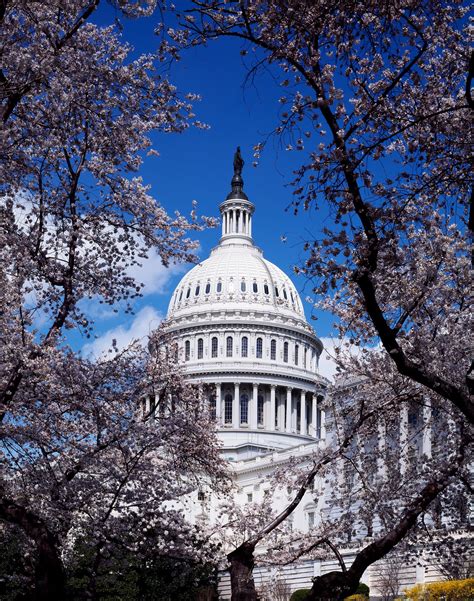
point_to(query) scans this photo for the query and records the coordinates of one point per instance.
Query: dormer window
(208, 287)
(219, 287)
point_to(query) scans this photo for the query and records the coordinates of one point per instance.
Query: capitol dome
(240, 328)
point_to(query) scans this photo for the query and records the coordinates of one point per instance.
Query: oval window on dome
(255, 287)
(208, 287)
(276, 291)
(219, 287)
(243, 286)
(284, 294)
(266, 289)
(188, 292)
(198, 288)
(292, 299)
(181, 296)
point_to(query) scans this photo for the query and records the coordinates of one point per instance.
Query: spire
(237, 210)
(237, 182)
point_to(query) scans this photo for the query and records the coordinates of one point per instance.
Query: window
(249, 497)
(245, 346)
(187, 350)
(273, 350)
(212, 406)
(305, 357)
(208, 287)
(244, 409)
(201, 496)
(214, 344)
(310, 519)
(284, 294)
(276, 291)
(219, 287)
(259, 348)
(188, 292)
(255, 287)
(297, 352)
(181, 295)
(229, 345)
(196, 292)
(200, 348)
(231, 286)
(260, 410)
(243, 286)
(285, 352)
(292, 299)
(228, 409)
(266, 289)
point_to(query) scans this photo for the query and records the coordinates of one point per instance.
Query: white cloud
(146, 320)
(327, 363)
(154, 275)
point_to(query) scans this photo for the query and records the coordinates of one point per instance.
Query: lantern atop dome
(237, 210)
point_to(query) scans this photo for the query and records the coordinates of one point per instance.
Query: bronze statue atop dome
(238, 162)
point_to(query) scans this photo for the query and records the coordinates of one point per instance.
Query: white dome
(236, 276)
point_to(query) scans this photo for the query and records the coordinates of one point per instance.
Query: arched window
(260, 410)
(188, 292)
(228, 409)
(277, 294)
(305, 357)
(187, 350)
(196, 292)
(297, 349)
(181, 295)
(212, 406)
(200, 348)
(266, 289)
(243, 286)
(245, 347)
(285, 352)
(208, 287)
(292, 299)
(259, 348)
(219, 287)
(255, 287)
(244, 408)
(273, 350)
(284, 294)
(229, 345)
(214, 346)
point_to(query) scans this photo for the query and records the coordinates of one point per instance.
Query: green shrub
(449, 590)
(300, 594)
(363, 589)
(356, 597)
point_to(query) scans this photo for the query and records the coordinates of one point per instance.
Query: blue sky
(197, 165)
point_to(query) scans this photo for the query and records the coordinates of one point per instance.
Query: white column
(281, 414)
(218, 403)
(250, 226)
(253, 407)
(271, 425)
(303, 425)
(314, 415)
(236, 406)
(403, 438)
(323, 424)
(427, 427)
(288, 409)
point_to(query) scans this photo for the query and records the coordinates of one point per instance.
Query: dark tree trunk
(241, 573)
(333, 586)
(49, 573)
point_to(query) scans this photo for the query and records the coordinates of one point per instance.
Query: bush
(363, 589)
(449, 590)
(300, 594)
(356, 597)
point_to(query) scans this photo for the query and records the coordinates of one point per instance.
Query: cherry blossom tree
(377, 103)
(79, 458)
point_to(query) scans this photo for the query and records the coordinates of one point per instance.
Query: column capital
(273, 386)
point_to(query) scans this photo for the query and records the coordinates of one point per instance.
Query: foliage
(363, 589)
(300, 594)
(357, 597)
(80, 456)
(451, 590)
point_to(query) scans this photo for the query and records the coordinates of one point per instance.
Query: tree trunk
(333, 586)
(49, 573)
(241, 573)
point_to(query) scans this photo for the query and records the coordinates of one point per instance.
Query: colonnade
(268, 407)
